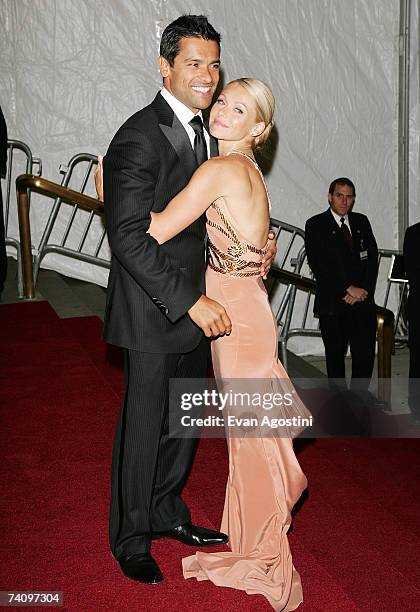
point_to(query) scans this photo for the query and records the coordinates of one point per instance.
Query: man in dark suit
(343, 257)
(156, 307)
(412, 269)
(3, 162)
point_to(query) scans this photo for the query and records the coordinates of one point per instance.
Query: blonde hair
(265, 103)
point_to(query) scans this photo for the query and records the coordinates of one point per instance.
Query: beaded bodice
(228, 251)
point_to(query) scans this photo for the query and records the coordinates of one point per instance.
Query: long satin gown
(265, 479)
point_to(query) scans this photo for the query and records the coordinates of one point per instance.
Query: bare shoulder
(228, 163)
(212, 179)
(237, 162)
(212, 167)
(237, 170)
(224, 170)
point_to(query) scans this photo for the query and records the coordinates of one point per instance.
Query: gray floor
(74, 298)
(399, 388)
(68, 296)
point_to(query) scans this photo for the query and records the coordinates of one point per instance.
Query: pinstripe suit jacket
(151, 287)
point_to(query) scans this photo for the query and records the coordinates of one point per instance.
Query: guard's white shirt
(338, 219)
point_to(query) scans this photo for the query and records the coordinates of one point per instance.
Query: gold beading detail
(232, 261)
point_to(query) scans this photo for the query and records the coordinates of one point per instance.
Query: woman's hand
(268, 258)
(154, 226)
(99, 179)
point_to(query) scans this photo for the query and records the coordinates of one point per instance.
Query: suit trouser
(3, 254)
(355, 326)
(414, 373)
(149, 468)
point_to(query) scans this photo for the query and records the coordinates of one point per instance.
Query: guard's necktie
(200, 146)
(346, 233)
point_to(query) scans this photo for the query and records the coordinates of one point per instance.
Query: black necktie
(347, 233)
(200, 146)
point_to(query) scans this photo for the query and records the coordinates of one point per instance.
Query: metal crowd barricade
(24, 185)
(62, 245)
(290, 248)
(15, 167)
(293, 259)
(297, 280)
(385, 328)
(402, 285)
(292, 279)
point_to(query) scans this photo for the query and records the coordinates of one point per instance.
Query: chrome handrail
(31, 161)
(28, 183)
(384, 322)
(45, 246)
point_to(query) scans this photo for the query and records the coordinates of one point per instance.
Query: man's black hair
(186, 26)
(341, 181)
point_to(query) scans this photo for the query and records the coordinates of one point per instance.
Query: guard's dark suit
(336, 267)
(3, 162)
(412, 268)
(150, 290)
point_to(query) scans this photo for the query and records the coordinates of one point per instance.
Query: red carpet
(356, 537)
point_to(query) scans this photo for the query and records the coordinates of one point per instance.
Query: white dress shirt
(338, 219)
(185, 115)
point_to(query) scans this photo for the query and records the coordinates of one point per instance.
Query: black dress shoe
(193, 535)
(141, 567)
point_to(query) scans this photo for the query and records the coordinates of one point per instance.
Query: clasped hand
(354, 295)
(99, 179)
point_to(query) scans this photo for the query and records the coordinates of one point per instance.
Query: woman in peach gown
(265, 479)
